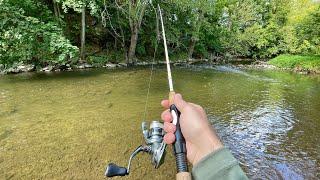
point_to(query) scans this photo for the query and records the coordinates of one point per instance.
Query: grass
(297, 62)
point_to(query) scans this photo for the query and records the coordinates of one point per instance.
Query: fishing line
(152, 66)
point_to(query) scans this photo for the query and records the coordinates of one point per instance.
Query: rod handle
(183, 176)
(171, 97)
(179, 146)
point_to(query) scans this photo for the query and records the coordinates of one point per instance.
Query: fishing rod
(154, 144)
(179, 146)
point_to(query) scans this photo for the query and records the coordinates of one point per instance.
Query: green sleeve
(218, 165)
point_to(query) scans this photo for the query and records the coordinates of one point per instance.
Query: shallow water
(69, 125)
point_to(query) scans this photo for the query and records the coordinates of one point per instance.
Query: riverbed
(70, 125)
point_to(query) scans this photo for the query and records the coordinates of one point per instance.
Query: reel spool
(154, 146)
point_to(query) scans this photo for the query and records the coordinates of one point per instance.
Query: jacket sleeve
(218, 165)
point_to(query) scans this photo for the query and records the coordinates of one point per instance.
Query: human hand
(199, 134)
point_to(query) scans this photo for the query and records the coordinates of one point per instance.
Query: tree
(80, 6)
(197, 10)
(134, 11)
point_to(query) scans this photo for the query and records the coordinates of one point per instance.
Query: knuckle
(188, 107)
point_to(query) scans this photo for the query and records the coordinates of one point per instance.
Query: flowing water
(69, 125)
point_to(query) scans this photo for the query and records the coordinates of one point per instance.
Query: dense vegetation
(298, 63)
(46, 32)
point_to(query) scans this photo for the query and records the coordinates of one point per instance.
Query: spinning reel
(154, 146)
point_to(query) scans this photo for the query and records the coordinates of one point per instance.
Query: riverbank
(297, 63)
(22, 68)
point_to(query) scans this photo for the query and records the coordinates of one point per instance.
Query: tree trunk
(135, 25)
(191, 47)
(55, 8)
(133, 45)
(58, 10)
(195, 36)
(83, 33)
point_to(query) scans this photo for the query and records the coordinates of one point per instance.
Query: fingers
(165, 103)
(169, 138)
(179, 102)
(166, 116)
(169, 127)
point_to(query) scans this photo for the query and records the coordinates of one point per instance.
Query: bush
(311, 63)
(27, 39)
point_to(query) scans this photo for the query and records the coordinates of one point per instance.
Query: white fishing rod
(179, 146)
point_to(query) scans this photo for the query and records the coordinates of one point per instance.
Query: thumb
(179, 102)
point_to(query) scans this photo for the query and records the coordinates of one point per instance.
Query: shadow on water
(44, 76)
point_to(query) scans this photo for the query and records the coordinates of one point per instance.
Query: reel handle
(115, 170)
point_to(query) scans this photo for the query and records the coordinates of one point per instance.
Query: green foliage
(77, 5)
(102, 58)
(28, 39)
(308, 31)
(31, 33)
(311, 63)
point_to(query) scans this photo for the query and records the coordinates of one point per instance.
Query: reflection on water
(70, 125)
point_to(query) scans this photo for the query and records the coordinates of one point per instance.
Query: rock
(83, 66)
(80, 66)
(304, 72)
(17, 68)
(26, 68)
(142, 63)
(63, 67)
(47, 69)
(13, 70)
(122, 64)
(109, 65)
(87, 65)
